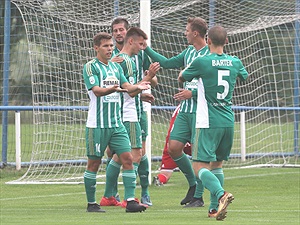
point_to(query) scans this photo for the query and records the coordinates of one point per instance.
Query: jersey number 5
(224, 83)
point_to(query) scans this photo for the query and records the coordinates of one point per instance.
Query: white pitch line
(66, 194)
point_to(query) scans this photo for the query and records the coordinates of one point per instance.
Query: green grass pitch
(262, 196)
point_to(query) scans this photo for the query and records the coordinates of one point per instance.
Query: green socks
(129, 181)
(112, 175)
(199, 189)
(185, 166)
(218, 172)
(211, 182)
(143, 172)
(90, 186)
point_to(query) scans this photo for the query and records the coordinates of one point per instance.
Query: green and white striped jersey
(142, 62)
(129, 104)
(216, 76)
(183, 59)
(104, 111)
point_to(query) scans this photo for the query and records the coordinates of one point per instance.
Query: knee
(126, 160)
(93, 165)
(175, 149)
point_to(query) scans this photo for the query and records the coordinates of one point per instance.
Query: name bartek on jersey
(222, 62)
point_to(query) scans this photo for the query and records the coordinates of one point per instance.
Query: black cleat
(94, 208)
(134, 206)
(196, 202)
(189, 195)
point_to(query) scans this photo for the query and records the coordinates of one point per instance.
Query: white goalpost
(263, 34)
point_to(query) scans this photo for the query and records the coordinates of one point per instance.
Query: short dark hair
(100, 36)
(218, 35)
(120, 20)
(198, 24)
(135, 32)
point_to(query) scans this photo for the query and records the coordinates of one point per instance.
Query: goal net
(263, 34)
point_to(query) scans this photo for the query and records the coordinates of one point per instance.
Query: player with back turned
(216, 73)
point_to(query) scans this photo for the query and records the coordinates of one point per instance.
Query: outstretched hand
(144, 85)
(117, 88)
(153, 69)
(144, 45)
(117, 59)
(183, 94)
(147, 97)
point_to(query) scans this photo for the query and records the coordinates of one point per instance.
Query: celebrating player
(104, 81)
(216, 74)
(183, 129)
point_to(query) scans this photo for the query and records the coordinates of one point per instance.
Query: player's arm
(174, 62)
(135, 88)
(132, 89)
(243, 73)
(146, 64)
(117, 59)
(99, 91)
(90, 76)
(147, 97)
(184, 94)
(150, 75)
(190, 71)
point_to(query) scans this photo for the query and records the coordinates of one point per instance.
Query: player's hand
(144, 45)
(147, 97)
(180, 78)
(183, 94)
(153, 69)
(117, 88)
(144, 85)
(117, 59)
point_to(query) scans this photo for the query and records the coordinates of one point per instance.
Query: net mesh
(59, 35)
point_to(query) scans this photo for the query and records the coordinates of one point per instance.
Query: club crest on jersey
(131, 80)
(92, 80)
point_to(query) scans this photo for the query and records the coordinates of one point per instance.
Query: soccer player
(131, 116)
(167, 163)
(182, 131)
(216, 74)
(119, 29)
(104, 81)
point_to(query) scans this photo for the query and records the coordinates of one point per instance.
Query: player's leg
(120, 144)
(143, 172)
(216, 169)
(143, 169)
(208, 151)
(166, 168)
(111, 184)
(180, 135)
(93, 136)
(109, 155)
(197, 200)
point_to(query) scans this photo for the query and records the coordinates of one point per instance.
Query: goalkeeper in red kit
(167, 163)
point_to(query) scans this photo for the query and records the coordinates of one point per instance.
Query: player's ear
(209, 41)
(131, 41)
(226, 41)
